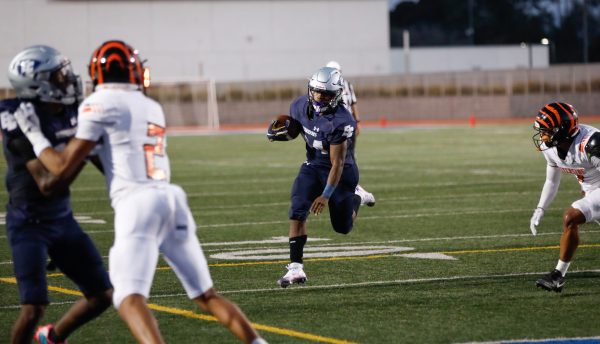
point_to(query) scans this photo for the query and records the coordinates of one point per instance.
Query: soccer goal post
(191, 103)
(187, 103)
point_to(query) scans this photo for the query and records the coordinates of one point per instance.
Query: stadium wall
(432, 96)
(226, 40)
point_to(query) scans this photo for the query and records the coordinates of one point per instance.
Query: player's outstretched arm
(63, 165)
(48, 183)
(548, 194)
(66, 165)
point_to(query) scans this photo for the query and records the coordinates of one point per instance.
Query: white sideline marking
(273, 240)
(361, 218)
(309, 252)
(275, 191)
(372, 283)
(364, 284)
(430, 255)
(80, 218)
(50, 304)
(372, 242)
(392, 282)
(382, 200)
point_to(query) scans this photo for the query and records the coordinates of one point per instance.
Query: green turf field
(465, 194)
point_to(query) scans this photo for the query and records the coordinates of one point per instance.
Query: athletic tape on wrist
(328, 191)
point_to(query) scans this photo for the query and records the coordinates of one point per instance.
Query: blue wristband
(328, 191)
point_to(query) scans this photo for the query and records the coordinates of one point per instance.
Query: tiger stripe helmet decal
(558, 121)
(116, 61)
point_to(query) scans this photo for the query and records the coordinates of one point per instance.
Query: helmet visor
(321, 96)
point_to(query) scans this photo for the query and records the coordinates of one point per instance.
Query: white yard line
(280, 241)
(372, 283)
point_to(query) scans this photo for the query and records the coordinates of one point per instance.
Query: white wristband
(39, 142)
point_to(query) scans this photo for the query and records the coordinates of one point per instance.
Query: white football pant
(150, 219)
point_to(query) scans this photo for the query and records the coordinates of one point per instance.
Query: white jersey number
(158, 148)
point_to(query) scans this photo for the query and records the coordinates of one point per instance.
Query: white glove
(538, 213)
(29, 123)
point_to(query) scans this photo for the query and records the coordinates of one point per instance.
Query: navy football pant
(62, 239)
(309, 184)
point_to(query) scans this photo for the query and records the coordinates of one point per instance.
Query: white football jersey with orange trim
(130, 130)
(577, 161)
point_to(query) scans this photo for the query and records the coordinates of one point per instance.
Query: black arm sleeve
(22, 147)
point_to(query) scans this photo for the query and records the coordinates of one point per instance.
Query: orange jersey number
(157, 148)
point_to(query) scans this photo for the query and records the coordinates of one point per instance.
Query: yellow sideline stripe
(260, 327)
(516, 249)
(193, 315)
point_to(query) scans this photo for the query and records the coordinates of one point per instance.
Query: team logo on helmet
(42, 73)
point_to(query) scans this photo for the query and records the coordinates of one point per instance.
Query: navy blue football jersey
(321, 131)
(25, 199)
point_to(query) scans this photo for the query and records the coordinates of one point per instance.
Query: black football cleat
(553, 281)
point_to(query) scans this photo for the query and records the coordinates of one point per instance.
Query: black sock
(356, 203)
(53, 337)
(297, 248)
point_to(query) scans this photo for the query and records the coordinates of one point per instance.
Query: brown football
(294, 127)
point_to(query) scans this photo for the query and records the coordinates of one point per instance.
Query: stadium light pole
(550, 44)
(584, 29)
(470, 32)
(529, 53)
(406, 50)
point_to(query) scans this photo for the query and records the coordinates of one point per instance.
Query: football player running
(329, 175)
(151, 214)
(349, 101)
(572, 148)
(39, 220)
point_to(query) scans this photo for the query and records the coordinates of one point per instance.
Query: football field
(445, 256)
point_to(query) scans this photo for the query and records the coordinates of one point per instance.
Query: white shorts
(150, 220)
(589, 205)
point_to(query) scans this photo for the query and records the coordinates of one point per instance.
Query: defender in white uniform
(575, 149)
(151, 215)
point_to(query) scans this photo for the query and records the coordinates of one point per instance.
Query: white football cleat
(365, 197)
(295, 274)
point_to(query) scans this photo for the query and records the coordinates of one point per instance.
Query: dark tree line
(484, 22)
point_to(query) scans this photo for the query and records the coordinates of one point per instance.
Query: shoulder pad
(592, 148)
(8, 123)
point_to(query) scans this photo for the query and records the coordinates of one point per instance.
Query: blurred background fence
(412, 97)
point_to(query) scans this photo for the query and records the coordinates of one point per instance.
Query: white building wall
(227, 40)
(455, 59)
